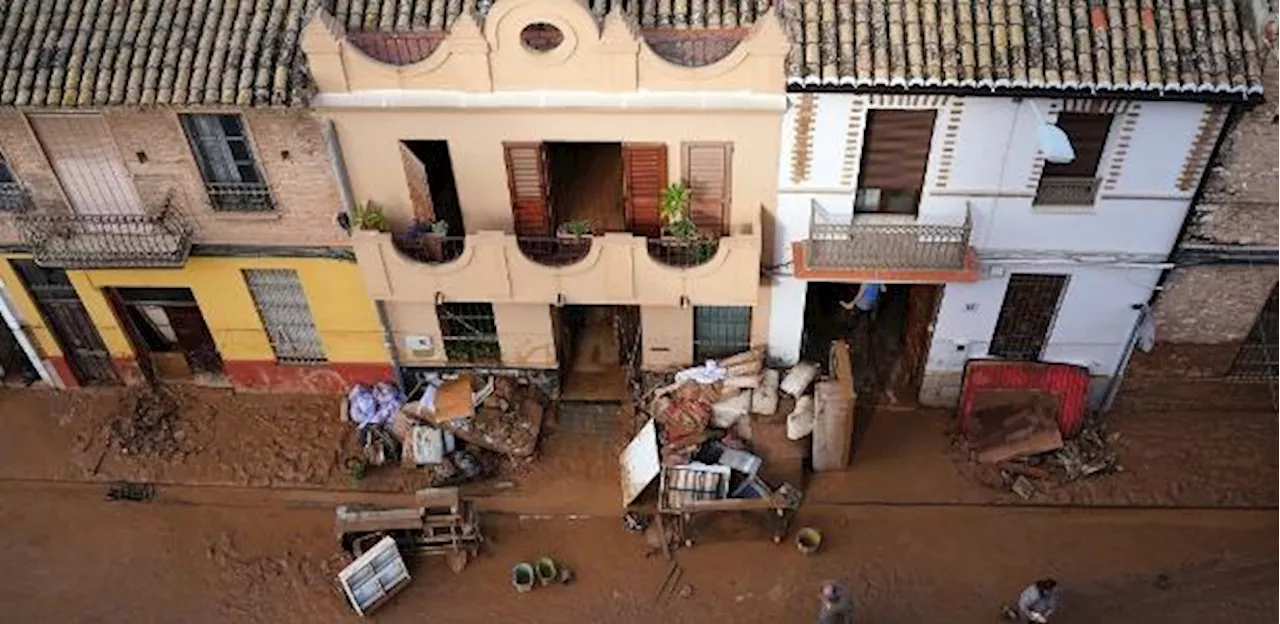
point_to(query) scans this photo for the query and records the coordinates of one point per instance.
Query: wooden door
(87, 163)
(142, 354)
(708, 172)
(415, 173)
(82, 347)
(194, 338)
(922, 306)
(527, 183)
(644, 172)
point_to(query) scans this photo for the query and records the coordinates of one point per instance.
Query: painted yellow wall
(26, 307)
(346, 319)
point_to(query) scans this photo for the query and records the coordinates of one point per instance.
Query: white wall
(1091, 328)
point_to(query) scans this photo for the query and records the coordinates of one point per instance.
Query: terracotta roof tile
(244, 52)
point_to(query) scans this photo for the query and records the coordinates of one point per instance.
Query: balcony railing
(554, 251)
(240, 197)
(89, 241)
(843, 242)
(431, 249)
(1054, 191)
(683, 254)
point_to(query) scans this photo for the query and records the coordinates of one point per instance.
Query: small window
(12, 195)
(282, 306)
(1026, 315)
(720, 331)
(470, 333)
(895, 156)
(227, 163)
(1076, 183)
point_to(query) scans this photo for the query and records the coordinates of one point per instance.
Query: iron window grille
(227, 164)
(469, 332)
(13, 198)
(720, 331)
(1026, 315)
(1259, 357)
(282, 306)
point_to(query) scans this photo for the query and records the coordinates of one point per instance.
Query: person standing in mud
(1036, 603)
(835, 604)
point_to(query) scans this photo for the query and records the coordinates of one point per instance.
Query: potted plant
(673, 204)
(574, 229)
(371, 217)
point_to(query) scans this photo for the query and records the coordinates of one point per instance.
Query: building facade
(169, 209)
(925, 171)
(1216, 312)
(508, 167)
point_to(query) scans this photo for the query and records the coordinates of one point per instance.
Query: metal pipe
(339, 166)
(1117, 377)
(388, 339)
(19, 333)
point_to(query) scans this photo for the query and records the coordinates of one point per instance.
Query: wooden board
(834, 401)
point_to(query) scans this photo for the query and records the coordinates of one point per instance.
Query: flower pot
(433, 246)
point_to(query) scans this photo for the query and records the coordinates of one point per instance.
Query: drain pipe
(389, 340)
(1117, 377)
(20, 334)
(340, 174)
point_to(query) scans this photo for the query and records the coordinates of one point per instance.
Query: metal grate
(1259, 356)
(849, 242)
(1064, 191)
(282, 305)
(683, 254)
(430, 248)
(720, 331)
(554, 251)
(1026, 315)
(470, 332)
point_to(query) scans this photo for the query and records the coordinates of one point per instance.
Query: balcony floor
(874, 261)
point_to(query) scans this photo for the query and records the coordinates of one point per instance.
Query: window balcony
(683, 254)
(609, 269)
(1066, 191)
(430, 248)
(859, 248)
(97, 241)
(240, 197)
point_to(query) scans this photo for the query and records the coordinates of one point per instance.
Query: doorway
(432, 188)
(168, 333)
(591, 354)
(15, 366)
(889, 346)
(586, 185)
(82, 348)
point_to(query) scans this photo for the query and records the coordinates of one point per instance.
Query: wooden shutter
(87, 164)
(708, 172)
(1088, 134)
(527, 181)
(644, 167)
(415, 173)
(895, 149)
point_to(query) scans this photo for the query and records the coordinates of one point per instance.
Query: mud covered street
(72, 557)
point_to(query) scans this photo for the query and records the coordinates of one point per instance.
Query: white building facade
(1046, 262)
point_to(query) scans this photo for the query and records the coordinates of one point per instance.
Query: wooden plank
(350, 521)
(834, 400)
(437, 498)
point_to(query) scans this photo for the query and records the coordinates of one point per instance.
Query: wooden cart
(441, 524)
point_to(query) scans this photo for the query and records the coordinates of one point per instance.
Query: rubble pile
(1088, 454)
(508, 421)
(149, 426)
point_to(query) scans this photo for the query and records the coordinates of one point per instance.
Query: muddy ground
(71, 557)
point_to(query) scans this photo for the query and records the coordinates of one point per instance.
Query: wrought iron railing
(14, 198)
(554, 251)
(87, 241)
(849, 242)
(1062, 191)
(683, 254)
(240, 197)
(430, 248)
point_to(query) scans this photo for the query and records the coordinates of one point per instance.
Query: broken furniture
(374, 577)
(441, 524)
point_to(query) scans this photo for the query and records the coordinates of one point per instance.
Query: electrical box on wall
(419, 346)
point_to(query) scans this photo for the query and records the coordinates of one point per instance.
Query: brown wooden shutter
(87, 163)
(644, 167)
(526, 179)
(895, 149)
(1088, 134)
(708, 172)
(415, 172)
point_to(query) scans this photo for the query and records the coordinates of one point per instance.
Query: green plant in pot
(576, 228)
(673, 204)
(371, 217)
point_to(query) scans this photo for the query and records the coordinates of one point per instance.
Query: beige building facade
(508, 169)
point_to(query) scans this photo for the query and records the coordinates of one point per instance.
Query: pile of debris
(451, 426)
(149, 425)
(1017, 433)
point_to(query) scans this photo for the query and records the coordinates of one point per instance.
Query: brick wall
(1214, 304)
(289, 147)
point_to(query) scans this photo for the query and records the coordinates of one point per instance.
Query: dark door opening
(888, 346)
(586, 185)
(69, 322)
(1026, 315)
(167, 331)
(15, 366)
(432, 189)
(591, 354)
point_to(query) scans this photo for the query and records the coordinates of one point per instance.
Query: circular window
(541, 37)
